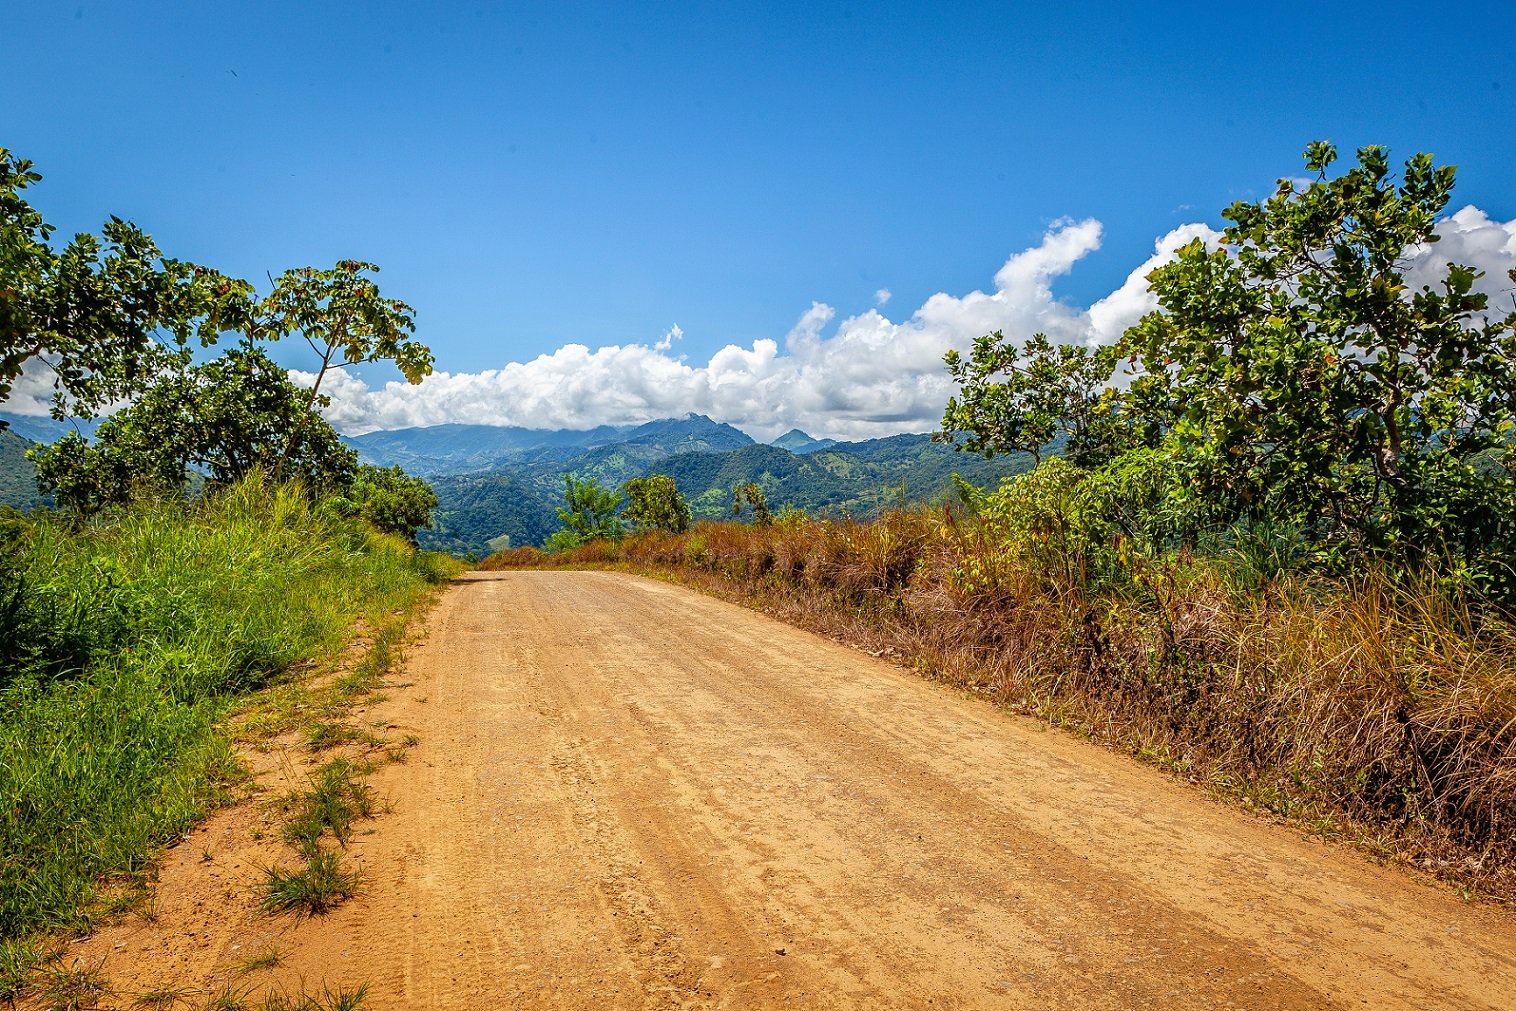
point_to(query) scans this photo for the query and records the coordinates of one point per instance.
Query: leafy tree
(1048, 392)
(390, 499)
(343, 317)
(227, 418)
(106, 314)
(752, 494)
(345, 320)
(1295, 370)
(589, 514)
(654, 503)
(1293, 375)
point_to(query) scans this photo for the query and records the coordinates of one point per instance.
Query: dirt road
(628, 795)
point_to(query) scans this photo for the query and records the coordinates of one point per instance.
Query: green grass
(68, 987)
(340, 999)
(123, 644)
(269, 958)
(336, 799)
(321, 885)
(161, 999)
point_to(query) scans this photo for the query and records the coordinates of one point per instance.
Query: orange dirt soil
(628, 795)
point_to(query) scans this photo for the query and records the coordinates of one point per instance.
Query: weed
(161, 999)
(335, 800)
(340, 999)
(324, 735)
(228, 998)
(71, 987)
(17, 957)
(264, 960)
(316, 888)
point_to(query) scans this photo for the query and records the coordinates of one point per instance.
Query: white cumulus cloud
(1472, 238)
(674, 333)
(863, 376)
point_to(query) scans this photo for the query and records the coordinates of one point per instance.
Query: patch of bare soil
(628, 795)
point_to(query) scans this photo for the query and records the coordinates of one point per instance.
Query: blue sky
(534, 177)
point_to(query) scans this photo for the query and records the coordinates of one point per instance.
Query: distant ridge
(797, 441)
(500, 485)
(45, 429)
(514, 503)
(473, 449)
(18, 476)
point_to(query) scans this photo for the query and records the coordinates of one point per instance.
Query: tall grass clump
(123, 641)
(1377, 705)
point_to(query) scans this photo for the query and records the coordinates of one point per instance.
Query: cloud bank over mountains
(864, 377)
(861, 377)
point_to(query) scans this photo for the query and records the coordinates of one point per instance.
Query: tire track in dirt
(630, 796)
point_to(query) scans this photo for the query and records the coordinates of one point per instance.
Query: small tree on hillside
(654, 503)
(588, 513)
(752, 495)
(227, 418)
(344, 319)
(389, 499)
(1022, 399)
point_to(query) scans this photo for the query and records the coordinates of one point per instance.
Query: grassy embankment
(1377, 710)
(123, 645)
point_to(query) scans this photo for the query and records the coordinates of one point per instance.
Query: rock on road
(629, 795)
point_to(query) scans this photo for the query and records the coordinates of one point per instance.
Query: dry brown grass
(1376, 710)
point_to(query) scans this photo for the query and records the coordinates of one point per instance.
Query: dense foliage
(589, 513)
(228, 418)
(123, 641)
(654, 503)
(389, 499)
(1290, 379)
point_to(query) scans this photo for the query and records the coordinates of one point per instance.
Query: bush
(1292, 376)
(654, 503)
(391, 500)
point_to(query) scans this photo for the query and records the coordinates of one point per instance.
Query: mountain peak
(797, 441)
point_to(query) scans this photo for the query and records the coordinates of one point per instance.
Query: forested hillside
(859, 479)
(18, 477)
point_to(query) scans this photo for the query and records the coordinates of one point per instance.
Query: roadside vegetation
(215, 543)
(1268, 545)
(124, 642)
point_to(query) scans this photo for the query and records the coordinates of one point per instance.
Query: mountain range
(18, 477)
(502, 487)
(499, 486)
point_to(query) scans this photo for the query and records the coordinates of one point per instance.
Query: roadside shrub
(697, 553)
(522, 557)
